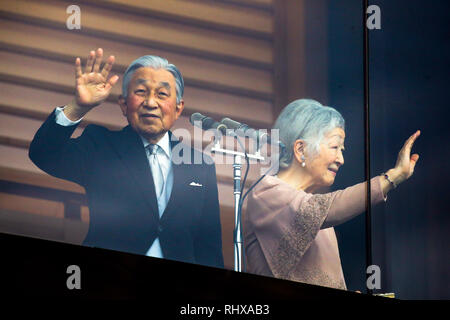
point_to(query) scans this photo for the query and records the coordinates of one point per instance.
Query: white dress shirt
(164, 157)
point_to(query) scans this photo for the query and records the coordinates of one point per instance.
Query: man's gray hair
(308, 120)
(154, 62)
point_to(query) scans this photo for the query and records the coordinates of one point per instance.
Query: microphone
(206, 123)
(244, 130)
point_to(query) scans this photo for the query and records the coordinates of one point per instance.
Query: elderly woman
(288, 229)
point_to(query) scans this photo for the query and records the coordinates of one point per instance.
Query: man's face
(151, 105)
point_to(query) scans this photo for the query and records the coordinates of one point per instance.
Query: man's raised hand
(93, 86)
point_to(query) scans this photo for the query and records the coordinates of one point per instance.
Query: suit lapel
(181, 177)
(131, 151)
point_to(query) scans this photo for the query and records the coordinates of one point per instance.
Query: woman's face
(323, 166)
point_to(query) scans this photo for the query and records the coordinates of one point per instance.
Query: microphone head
(231, 124)
(195, 117)
(207, 123)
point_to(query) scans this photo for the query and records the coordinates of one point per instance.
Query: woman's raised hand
(93, 86)
(404, 168)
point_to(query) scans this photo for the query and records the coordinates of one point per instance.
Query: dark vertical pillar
(367, 174)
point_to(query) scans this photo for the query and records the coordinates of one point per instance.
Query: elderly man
(140, 201)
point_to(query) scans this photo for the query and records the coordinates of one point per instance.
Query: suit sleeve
(53, 151)
(208, 241)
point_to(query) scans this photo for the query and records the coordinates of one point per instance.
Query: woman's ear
(299, 150)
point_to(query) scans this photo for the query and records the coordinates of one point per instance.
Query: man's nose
(150, 101)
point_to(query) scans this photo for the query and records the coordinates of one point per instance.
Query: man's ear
(299, 150)
(123, 105)
(179, 108)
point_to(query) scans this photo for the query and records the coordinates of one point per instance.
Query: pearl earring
(303, 163)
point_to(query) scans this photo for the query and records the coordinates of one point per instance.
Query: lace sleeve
(297, 228)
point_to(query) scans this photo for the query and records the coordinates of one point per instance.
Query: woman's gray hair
(308, 120)
(154, 62)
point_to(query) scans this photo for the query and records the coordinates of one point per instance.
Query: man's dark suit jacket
(113, 168)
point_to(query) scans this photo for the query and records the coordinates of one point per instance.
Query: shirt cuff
(62, 120)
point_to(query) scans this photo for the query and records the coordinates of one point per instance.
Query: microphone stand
(237, 166)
